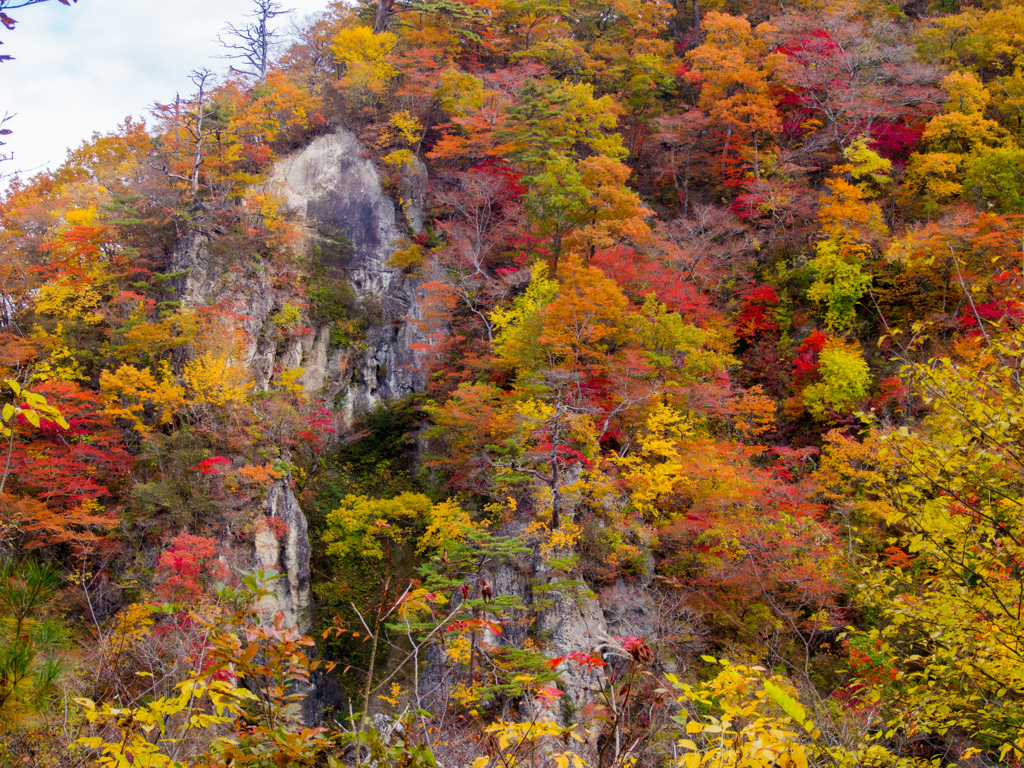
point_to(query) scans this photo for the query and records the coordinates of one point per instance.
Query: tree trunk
(383, 14)
(264, 49)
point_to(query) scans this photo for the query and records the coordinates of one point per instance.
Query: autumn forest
(527, 384)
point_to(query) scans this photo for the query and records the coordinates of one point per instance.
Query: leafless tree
(5, 156)
(196, 120)
(253, 42)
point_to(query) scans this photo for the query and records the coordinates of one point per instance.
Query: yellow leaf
(789, 705)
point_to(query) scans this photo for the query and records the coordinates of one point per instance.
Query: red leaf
(212, 465)
(548, 695)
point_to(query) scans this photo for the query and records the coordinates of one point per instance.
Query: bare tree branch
(8, 22)
(253, 43)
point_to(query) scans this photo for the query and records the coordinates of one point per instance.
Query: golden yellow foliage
(131, 626)
(459, 649)
(62, 363)
(551, 542)
(289, 381)
(654, 469)
(406, 126)
(144, 338)
(63, 299)
(132, 392)
(935, 175)
(394, 696)
(216, 380)
(366, 57)
(446, 522)
(747, 716)
(269, 209)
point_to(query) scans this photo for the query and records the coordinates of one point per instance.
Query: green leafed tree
(30, 640)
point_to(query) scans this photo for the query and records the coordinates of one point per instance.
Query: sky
(86, 67)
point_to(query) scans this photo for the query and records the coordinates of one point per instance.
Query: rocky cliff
(285, 550)
(353, 357)
(350, 229)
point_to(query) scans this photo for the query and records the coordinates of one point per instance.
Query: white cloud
(85, 68)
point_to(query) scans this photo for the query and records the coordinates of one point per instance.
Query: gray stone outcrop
(283, 545)
(335, 192)
(353, 227)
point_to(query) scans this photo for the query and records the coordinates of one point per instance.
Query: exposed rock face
(413, 182)
(285, 548)
(569, 619)
(352, 229)
(574, 622)
(336, 193)
(629, 610)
